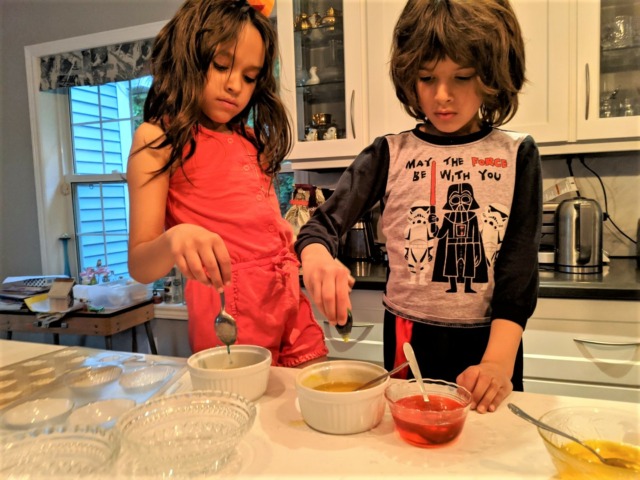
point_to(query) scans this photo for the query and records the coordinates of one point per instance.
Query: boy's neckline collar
(452, 140)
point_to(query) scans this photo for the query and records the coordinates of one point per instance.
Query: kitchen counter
(280, 444)
(620, 280)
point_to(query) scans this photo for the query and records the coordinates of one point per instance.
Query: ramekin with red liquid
(428, 424)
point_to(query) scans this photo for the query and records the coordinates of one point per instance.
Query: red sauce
(427, 424)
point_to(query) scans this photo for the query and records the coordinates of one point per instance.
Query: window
(103, 120)
(81, 136)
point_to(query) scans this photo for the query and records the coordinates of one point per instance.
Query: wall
(29, 22)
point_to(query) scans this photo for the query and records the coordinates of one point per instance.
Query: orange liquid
(338, 386)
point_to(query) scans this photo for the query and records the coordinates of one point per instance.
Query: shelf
(622, 59)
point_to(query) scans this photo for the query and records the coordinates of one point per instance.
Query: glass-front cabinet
(608, 100)
(321, 76)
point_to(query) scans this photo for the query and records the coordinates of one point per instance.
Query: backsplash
(620, 174)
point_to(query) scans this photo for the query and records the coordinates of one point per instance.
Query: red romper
(223, 189)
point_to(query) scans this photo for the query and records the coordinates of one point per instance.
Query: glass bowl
(58, 452)
(185, 433)
(89, 379)
(145, 378)
(103, 413)
(615, 433)
(37, 413)
(428, 424)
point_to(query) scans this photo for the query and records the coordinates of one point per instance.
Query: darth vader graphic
(460, 256)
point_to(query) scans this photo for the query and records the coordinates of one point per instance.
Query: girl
(201, 183)
(461, 202)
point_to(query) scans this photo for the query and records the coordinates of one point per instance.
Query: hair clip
(262, 6)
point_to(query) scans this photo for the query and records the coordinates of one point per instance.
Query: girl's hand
(489, 385)
(328, 282)
(200, 254)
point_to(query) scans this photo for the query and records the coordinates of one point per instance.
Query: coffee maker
(358, 243)
(578, 236)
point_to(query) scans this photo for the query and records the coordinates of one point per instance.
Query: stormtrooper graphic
(419, 236)
(494, 223)
(460, 256)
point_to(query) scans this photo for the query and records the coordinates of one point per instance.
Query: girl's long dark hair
(182, 54)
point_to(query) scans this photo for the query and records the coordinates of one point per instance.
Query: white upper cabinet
(608, 69)
(543, 110)
(386, 113)
(322, 79)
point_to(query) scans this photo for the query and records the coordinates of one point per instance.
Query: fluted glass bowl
(185, 433)
(59, 452)
(615, 433)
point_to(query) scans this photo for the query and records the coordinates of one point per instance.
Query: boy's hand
(489, 385)
(328, 282)
(200, 254)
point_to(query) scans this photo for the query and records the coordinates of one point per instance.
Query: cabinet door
(386, 113)
(321, 78)
(543, 111)
(608, 54)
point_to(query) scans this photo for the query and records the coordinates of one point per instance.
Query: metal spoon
(225, 326)
(415, 369)
(611, 461)
(379, 378)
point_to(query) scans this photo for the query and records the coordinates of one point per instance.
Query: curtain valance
(96, 66)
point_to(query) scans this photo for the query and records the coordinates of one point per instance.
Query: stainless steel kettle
(578, 236)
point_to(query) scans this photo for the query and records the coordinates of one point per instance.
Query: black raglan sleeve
(361, 185)
(516, 271)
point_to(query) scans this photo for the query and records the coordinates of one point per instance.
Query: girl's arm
(198, 253)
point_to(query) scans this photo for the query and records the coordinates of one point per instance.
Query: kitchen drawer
(365, 341)
(595, 342)
(569, 389)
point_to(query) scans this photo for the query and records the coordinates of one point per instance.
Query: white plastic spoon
(415, 369)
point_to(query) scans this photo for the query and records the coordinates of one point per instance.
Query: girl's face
(231, 79)
(448, 95)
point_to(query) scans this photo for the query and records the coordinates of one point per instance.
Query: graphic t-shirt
(461, 216)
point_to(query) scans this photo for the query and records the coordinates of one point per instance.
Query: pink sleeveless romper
(223, 189)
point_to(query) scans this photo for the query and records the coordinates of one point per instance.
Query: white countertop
(497, 445)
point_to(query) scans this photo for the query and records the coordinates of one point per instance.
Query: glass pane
(320, 70)
(620, 58)
(102, 225)
(103, 120)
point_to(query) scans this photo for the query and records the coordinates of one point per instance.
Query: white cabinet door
(334, 94)
(608, 69)
(543, 111)
(386, 113)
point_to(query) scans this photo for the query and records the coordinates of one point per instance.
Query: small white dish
(36, 413)
(103, 413)
(90, 378)
(145, 378)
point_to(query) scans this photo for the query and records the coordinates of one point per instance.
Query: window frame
(51, 143)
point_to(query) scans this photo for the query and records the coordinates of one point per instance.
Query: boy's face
(448, 95)
(231, 79)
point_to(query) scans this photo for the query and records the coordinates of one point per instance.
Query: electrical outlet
(564, 186)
